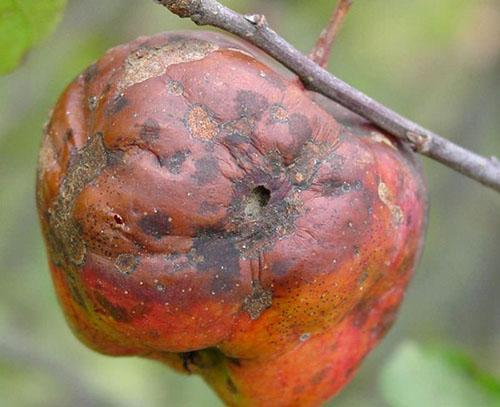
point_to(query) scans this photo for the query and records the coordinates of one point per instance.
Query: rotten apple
(201, 208)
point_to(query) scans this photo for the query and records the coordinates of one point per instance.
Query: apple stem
(255, 29)
(321, 51)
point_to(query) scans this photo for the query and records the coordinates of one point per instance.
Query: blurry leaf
(418, 376)
(23, 23)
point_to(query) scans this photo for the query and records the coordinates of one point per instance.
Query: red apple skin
(203, 209)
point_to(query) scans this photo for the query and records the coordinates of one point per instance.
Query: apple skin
(201, 208)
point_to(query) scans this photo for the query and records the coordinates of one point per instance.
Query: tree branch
(255, 30)
(321, 51)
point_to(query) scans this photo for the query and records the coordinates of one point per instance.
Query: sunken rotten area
(202, 209)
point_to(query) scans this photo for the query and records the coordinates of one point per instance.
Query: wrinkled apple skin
(202, 209)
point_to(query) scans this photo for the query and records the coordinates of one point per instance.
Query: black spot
(118, 313)
(156, 224)
(75, 291)
(208, 207)
(339, 187)
(236, 138)
(69, 134)
(251, 104)
(234, 361)
(231, 386)
(174, 162)
(206, 170)
(281, 268)
(318, 377)
(220, 256)
(175, 87)
(150, 130)
(114, 157)
(386, 322)
(361, 312)
(179, 37)
(126, 263)
(116, 105)
(90, 73)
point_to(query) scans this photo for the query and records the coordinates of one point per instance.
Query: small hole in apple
(262, 195)
(257, 200)
(118, 219)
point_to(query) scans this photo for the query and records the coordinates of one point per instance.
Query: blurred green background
(435, 62)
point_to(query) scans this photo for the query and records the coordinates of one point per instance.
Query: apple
(203, 209)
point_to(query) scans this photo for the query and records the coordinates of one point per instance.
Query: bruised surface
(203, 209)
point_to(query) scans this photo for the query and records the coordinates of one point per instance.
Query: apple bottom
(312, 372)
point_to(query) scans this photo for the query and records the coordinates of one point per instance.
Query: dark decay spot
(281, 267)
(237, 138)
(117, 104)
(318, 377)
(206, 170)
(208, 207)
(173, 38)
(114, 157)
(69, 134)
(386, 322)
(118, 313)
(218, 255)
(175, 88)
(237, 132)
(234, 361)
(75, 291)
(90, 73)
(339, 187)
(150, 130)
(174, 162)
(231, 386)
(362, 277)
(126, 263)
(361, 313)
(251, 104)
(156, 224)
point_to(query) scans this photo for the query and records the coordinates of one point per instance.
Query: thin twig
(255, 30)
(321, 51)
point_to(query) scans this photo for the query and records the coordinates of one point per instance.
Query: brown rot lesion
(68, 244)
